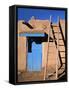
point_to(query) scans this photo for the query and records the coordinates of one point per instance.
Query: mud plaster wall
(44, 54)
(22, 51)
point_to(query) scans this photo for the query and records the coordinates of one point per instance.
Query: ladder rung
(60, 39)
(57, 32)
(61, 51)
(62, 57)
(51, 41)
(63, 63)
(61, 45)
(62, 67)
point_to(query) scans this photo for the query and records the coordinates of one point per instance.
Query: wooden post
(57, 51)
(46, 63)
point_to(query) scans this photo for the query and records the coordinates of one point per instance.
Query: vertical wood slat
(57, 57)
(57, 50)
(46, 63)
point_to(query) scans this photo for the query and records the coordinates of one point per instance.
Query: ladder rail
(61, 33)
(57, 50)
(46, 63)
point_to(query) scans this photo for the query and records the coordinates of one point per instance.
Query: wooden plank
(57, 50)
(46, 64)
(57, 58)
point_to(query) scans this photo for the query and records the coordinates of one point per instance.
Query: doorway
(34, 56)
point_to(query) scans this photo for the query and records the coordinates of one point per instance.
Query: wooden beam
(46, 63)
(57, 50)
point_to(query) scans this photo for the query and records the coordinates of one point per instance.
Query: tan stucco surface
(22, 51)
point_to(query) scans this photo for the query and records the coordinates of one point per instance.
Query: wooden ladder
(61, 47)
(51, 44)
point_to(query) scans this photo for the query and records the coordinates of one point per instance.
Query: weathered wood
(46, 63)
(57, 57)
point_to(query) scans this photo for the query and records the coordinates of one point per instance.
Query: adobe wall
(22, 51)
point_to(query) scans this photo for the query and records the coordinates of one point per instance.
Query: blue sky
(27, 13)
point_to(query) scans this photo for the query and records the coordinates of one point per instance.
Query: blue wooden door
(34, 59)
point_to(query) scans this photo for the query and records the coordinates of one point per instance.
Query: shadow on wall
(37, 40)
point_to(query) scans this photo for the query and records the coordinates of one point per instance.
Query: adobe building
(41, 47)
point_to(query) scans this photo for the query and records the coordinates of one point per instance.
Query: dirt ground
(39, 75)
